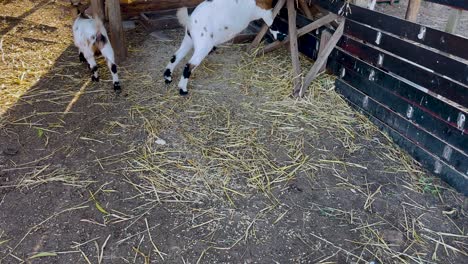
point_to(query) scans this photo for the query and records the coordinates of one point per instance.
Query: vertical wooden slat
(413, 10)
(116, 30)
(305, 7)
(321, 59)
(98, 8)
(453, 21)
(293, 45)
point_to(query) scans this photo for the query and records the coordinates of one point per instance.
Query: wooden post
(305, 7)
(116, 30)
(453, 21)
(321, 59)
(413, 10)
(324, 39)
(264, 28)
(293, 44)
(98, 8)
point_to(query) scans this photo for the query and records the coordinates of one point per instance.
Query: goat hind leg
(89, 56)
(185, 47)
(108, 53)
(196, 59)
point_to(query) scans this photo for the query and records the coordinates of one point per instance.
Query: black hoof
(281, 36)
(182, 92)
(167, 76)
(94, 79)
(82, 58)
(117, 88)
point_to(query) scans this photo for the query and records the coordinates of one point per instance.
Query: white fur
(85, 33)
(213, 23)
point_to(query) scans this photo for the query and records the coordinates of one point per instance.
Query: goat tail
(183, 16)
(101, 34)
(98, 24)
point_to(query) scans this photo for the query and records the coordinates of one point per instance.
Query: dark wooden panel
(425, 78)
(460, 4)
(433, 82)
(437, 39)
(308, 45)
(437, 166)
(435, 61)
(446, 112)
(416, 124)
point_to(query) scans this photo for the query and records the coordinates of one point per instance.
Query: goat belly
(220, 21)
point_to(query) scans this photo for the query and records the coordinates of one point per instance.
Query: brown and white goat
(214, 22)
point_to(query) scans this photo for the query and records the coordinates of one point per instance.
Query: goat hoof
(182, 92)
(281, 36)
(117, 88)
(167, 76)
(94, 79)
(82, 58)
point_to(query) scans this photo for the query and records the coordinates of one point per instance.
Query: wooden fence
(410, 80)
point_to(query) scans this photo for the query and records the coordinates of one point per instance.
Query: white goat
(214, 22)
(90, 37)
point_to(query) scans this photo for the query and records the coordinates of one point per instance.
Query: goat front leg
(267, 16)
(185, 47)
(196, 59)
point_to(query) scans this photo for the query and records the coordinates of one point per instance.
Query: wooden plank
(445, 112)
(425, 78)
(459, 180)
(324, 40)
(433, 132)
(420, 76)
(305, 8)
(302, 31)
(308, 45)
(297, 80)
(413, 10)
(116, 30)
(430, 59)
(98, 8)
(449, 43)
(135, 7)
(321, 59)
(453, 21)
(460, 4)
(264, 28)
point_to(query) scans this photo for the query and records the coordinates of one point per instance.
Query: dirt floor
(237, 172)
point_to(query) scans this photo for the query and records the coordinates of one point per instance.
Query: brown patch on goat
(264, 4)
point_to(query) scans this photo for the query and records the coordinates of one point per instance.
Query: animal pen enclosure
(237, 172)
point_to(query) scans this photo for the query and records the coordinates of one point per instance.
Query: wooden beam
(413, 10)
(321, 59)
(302, 31)
(305, 7)
(264, 28)
(116, 30)
(293, 44)
(324, 39)
(98, 8)
(453, 21)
